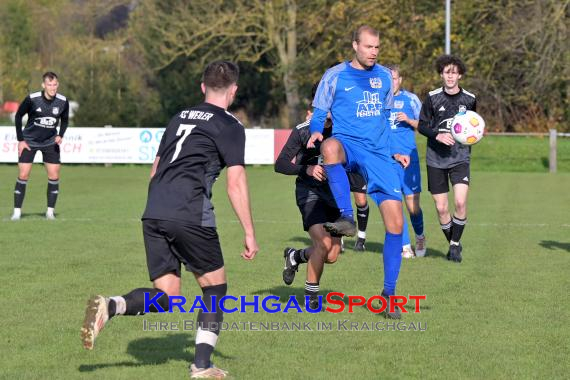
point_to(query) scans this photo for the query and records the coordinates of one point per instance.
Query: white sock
(120, 305)
(362, 234)
(50, 210)
(17, 212)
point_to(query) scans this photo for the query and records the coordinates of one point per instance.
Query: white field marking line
(267, 221)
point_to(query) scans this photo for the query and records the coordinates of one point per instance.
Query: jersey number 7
(184, 129)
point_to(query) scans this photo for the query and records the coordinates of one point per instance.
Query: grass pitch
(502, 313)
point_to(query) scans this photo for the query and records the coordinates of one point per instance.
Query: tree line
(136, 63)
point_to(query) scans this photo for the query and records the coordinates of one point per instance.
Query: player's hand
(58, 139)
(445, 138)
(21, 146)
(251, 247)
(314, 137)
(403, 159)
(400, 116)
(317, 172)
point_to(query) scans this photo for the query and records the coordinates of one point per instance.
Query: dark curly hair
(445, 60)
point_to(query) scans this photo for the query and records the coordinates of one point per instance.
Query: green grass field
(502, 313)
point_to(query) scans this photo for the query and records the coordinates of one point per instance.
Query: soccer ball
(467, 127)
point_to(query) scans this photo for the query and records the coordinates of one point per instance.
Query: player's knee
(332, 254)
(361, 201)
(24, 176)
(395, 226)
(331, 150)
(322, 246)
(460, 206)
(441, 208)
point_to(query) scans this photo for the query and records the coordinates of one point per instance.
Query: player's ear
(354, 45)
(203, 87)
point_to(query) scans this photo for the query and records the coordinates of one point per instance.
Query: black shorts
(438, 179)
(357, 183)
(317, 212)
(50, 154)
(169, 244)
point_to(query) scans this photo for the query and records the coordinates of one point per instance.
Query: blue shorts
(377, 170)
(410, 178)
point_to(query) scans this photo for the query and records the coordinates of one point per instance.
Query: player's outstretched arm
(238, 194)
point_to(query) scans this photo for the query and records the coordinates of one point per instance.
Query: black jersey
(438, 110)
(197, 144)
(308, 188)
(43, 118)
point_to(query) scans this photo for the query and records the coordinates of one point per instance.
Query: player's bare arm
(401, 116)
(154, 166)
(238, 194)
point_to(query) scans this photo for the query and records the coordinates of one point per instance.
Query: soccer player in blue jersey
(403, 120)
(358, 94)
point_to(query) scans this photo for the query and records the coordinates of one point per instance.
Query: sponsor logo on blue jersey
(370, 105)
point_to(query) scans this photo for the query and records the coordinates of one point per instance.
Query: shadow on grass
(35, 215)
(153, 351)
(554, 245)
(371, 247)
(435, 254)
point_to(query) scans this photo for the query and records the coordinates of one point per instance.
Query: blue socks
(392, 261)
(418, 223)
(340, 189)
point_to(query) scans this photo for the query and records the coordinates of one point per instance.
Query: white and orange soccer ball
(467, 127)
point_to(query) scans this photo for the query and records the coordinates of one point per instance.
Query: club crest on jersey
(398, 104)
(462, 109)
(375, 82)
(370, 105)
(55, 110)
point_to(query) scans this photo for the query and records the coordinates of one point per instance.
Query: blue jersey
(359, 102)
(403, 139)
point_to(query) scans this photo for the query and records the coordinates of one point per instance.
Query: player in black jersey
(179, 224)
(447, 160)
(45, 109)
(317, 206)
